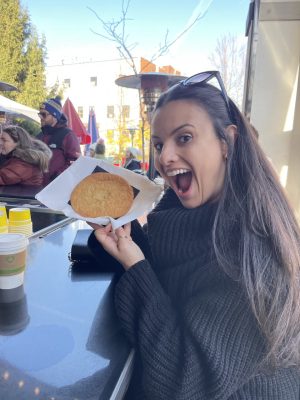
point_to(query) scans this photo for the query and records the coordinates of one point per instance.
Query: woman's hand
(119, 244)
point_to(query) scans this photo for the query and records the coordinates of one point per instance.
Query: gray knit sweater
(191, 325)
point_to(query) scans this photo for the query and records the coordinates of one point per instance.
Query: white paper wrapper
(57, 194)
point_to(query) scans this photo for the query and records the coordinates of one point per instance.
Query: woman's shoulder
(16, 171)
(19, 164)
(10, 161)
(133, 164)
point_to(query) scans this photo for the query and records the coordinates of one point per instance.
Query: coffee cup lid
(12, 241)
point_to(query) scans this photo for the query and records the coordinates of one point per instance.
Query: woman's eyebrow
(175, 129)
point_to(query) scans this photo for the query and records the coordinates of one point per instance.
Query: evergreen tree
(22, 56)
(14, 28)
(55, 90)
(34, 87)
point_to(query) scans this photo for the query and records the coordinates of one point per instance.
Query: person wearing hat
(62, 140)
(131, 161)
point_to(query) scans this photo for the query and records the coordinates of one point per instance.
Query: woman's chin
(190, 201)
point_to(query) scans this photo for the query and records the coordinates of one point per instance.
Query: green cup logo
(11, 264)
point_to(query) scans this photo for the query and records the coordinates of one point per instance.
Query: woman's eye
(184, 138)
(158, 147)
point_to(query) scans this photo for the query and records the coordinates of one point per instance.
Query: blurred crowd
(36, 161)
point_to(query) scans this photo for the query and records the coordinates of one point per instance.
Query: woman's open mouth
(181, 180)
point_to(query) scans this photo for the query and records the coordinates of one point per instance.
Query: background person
(2, 156)
(26, 158)
(131, 161)
(100, 150)
(62, 141)
(210, 297)
(91, 151)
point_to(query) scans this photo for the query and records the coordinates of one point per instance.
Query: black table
(69, 344)
(23, 193)
(24, 196)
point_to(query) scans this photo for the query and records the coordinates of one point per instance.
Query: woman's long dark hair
(256, 236)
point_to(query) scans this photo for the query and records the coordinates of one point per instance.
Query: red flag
(75, 123)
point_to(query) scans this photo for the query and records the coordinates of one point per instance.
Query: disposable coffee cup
(13, 310)
(18, 214)
(20, 221)
(26, 229)
(3, 229)
(3, 219)
(13, 250)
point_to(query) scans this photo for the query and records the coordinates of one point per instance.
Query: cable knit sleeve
(206, 347)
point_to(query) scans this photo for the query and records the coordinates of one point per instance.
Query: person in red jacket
(62, 141)
(26, 158)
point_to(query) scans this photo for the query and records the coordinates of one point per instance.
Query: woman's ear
(232, 133)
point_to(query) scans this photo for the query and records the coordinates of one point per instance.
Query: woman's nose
(168, 154)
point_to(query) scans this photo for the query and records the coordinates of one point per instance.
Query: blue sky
(67, 27)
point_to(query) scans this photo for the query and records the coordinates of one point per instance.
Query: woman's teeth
(177, 172)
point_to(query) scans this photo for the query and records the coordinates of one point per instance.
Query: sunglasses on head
(204, 77)
(43, 114)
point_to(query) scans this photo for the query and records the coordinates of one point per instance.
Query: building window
(93, 80)
(110, 112)
(125, 111)
(67, 83)
(80, 111)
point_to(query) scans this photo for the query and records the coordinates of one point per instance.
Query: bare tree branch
(229, 58)
(115, 31)
(168, 44)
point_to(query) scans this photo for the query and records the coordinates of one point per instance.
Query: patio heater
(132, 130)
(151, 84)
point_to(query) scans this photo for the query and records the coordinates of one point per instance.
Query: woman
(131, 161)
(210, 297)
(26, 158)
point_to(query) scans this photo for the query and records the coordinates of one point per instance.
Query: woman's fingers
(124, 230)
(94, 226)
(97, 226)
(119, 244)
(127, 229)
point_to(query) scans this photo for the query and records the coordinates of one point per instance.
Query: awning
(18, 109)
(75, 123)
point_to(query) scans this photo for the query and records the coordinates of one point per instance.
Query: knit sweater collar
(178, 234)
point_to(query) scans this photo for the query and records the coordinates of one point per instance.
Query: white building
(91, 85)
